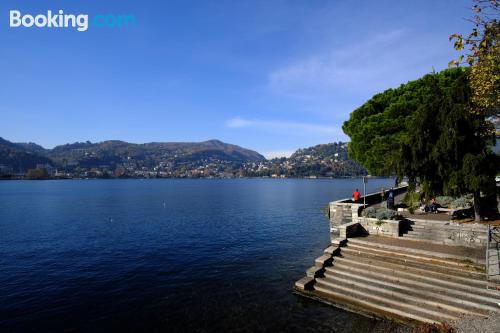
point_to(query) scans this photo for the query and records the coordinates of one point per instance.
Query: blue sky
(268, 75)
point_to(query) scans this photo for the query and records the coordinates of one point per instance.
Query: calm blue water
(165, 255)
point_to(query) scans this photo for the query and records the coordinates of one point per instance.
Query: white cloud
(376, 63)
(238, 122)
(293, 128)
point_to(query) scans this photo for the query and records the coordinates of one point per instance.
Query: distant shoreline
(196, 178)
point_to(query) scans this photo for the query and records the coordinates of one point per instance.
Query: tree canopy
(424, 130)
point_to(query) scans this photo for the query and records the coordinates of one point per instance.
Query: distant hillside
(113, 152)
(32, 147)
(336, 151)
(18, 158)
(324, 160)
(327, 160)
(110, 154)
(208, 159)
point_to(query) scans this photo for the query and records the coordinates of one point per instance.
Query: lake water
(166, 255)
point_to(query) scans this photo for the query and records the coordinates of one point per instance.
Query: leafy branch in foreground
(481, 51)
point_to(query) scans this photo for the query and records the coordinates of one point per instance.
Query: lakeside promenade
(417, 269)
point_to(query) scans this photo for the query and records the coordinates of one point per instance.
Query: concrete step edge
(370, 306)
(479, 294)
(425, 270)
(456, 303)
(410, 252)
(395, 304)
(416, 260)
(399, 296)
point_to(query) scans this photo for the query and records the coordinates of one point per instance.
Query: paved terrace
(398, 199)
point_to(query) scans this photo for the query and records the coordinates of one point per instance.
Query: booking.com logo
(61, 20)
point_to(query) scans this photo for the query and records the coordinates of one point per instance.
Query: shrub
(444, 201)
(369, 212)
(411, 198)
(462, 202)
(379, 213)
(412, 201)
(385, 214)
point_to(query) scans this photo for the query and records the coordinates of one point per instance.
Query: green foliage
(423, 130)
(412, 201)
(328, 160)
(369, 212)
(462, 202)
(113, 152)
(444, 200)
(39, 173)
(385, 214)
(18, 158)
(334, 150)
(481, 50)
(379, 213)
(200, 159)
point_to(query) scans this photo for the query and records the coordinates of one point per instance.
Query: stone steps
(413, 254)
(427, 265)
(376, 307)
(423, 294)
(412, 270)
(414, 283)
(405, 283)
(378, 304)
(400, 296)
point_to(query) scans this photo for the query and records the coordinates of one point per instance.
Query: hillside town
(326, 160)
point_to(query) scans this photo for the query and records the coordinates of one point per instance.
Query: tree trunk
(477, 206)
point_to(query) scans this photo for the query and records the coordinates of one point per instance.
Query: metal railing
(493, 239)
(488, 241)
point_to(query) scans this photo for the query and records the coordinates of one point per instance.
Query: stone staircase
(446, 233)
(407, 283)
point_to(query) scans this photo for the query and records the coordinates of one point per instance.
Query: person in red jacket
(356, 195)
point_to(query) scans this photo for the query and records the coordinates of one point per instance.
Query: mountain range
(212, 158)
(23, 156)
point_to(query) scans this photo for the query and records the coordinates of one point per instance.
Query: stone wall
(391, 228)
(470, 234)
(357, 207)
(346, 221)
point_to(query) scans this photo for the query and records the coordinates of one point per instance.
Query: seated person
(356, 195)
(433, 207)
(423, 207)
